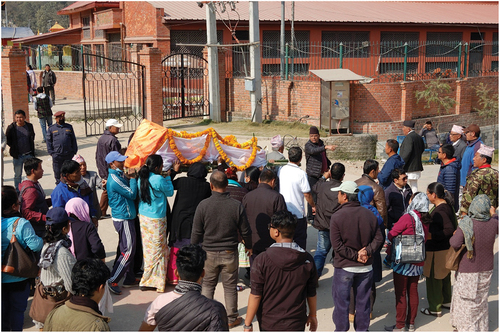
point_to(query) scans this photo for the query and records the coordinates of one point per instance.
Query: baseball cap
(113, 122)
(115, 156)
(56, 215)
(472, 128)
(347, 187)
(59, 113)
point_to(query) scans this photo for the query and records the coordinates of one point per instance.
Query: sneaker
(393, 328)
(410, 328)
(235, 323)
(103, 217)
(114, 288)
(446, 306)
(131, 285)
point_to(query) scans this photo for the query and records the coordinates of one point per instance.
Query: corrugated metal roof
(74, 33)
(18, 32)
(84, 5)
(348, 11)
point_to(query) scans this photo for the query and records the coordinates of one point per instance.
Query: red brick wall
(69, 84)
(14, 84)
(378, 101)
(135, 14)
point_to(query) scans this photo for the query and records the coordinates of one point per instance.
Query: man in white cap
(411, 151)
(277, 147)
(107, 143)
(456, 137)
(355, 236)
(482, 180)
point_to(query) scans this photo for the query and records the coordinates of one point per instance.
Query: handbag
(453, 257)
(46, 299)
(408, 249)
(18, 261)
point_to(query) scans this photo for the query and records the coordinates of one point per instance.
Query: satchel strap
(14, 226)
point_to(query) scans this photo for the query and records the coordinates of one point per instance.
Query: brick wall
(69, 84)
(14, 84)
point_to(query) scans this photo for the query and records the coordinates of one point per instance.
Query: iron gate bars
(185, 86)
(112, 89)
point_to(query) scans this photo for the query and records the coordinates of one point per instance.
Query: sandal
(428, 312)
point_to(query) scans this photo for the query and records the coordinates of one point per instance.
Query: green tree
(487, 100)
(38, 15)
(434, 95)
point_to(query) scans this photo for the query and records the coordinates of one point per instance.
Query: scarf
(184, 286)
(78, 207)
(420, 203)
(479, 210)
(86, 302)
(47, 256)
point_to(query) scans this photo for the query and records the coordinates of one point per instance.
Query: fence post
(406, 62)
(465, 59)
(291, 61)
(459, 59)
(39, 58)
(286, 61)
(341, 54)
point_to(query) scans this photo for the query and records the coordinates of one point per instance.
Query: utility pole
(213, 64)
(292, 33)
(282, 41)
(256, 94)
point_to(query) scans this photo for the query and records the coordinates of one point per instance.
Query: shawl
(479, 210)
(47, 256)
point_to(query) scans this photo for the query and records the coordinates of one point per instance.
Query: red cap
(59, 113)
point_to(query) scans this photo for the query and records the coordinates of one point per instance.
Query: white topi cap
(457, 129)
(486, 151)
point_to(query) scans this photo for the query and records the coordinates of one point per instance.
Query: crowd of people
(257, 219)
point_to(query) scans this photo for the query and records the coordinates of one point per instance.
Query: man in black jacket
(397, 196)
(411, 152)
(185, 309)
(107, 143)
(48, 82)
(21, 140)
(325, 206)
(316, 162)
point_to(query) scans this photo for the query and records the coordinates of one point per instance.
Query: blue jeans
(341, 292)
(45, 122)
(18, 168)
(14, 302)
(322, 248)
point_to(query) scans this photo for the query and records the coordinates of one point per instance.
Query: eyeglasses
(404, 178)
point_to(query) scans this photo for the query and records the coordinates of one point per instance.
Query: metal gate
(185, 86)
(112, 89)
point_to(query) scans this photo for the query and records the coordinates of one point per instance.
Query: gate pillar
(15, 93)
(151, 58)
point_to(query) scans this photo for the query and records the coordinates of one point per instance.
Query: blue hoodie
(467, 163)
(121, 195)
(384, 176)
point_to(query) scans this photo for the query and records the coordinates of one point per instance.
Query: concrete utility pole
(213, 64)
(282, 41)
(256, 94)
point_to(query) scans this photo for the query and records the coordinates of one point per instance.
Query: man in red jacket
(355, 235)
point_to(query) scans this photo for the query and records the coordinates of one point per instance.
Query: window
(271, 44)
(190, 37)
(398, 67)
(356, 44)
(443, 44)
(114, 38)
(494, 48)
(391, 44)
(86, 21)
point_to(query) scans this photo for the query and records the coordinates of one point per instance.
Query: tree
(38, 15)
(434, 95)
(487, 101)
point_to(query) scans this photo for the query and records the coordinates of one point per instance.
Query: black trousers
(49, 91)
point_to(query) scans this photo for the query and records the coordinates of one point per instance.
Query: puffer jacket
(378, 195)
(121, 195)
(449, 176)
(314, 161)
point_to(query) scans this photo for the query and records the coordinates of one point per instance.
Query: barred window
(391, 44)
(356, 44)
(494, 49)
(398, 67)
(271, 43)
(86, 21)
(441, 44)
(190, 37)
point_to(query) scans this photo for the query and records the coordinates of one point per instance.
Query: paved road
(129, 307)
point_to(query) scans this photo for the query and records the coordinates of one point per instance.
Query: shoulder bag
(453, 257)
(408, 249)
(46, 299)
(18, 261)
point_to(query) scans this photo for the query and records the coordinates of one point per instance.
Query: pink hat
(276, 142)
(457, 129)
(486, 151)
(78, 158)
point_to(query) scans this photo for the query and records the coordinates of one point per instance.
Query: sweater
(441, 228)
(159, 189)
(217, 221)
(467, 163)
(483, 259)
(25, 236)
(352, 228)
(384, 176)
(285, 278)
(60, 270)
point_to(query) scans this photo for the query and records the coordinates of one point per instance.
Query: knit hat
(457, 129)
(313, 130)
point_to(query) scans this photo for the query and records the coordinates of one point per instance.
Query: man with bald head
(216, 223)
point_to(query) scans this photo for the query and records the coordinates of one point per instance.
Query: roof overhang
(81, 6)
(330, 75)
(66, 36)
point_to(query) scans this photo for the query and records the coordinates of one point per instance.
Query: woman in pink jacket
(406, 276)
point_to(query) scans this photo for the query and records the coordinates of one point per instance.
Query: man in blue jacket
(472, 134)
(393, 162)
(122, 191)
(449, 172)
